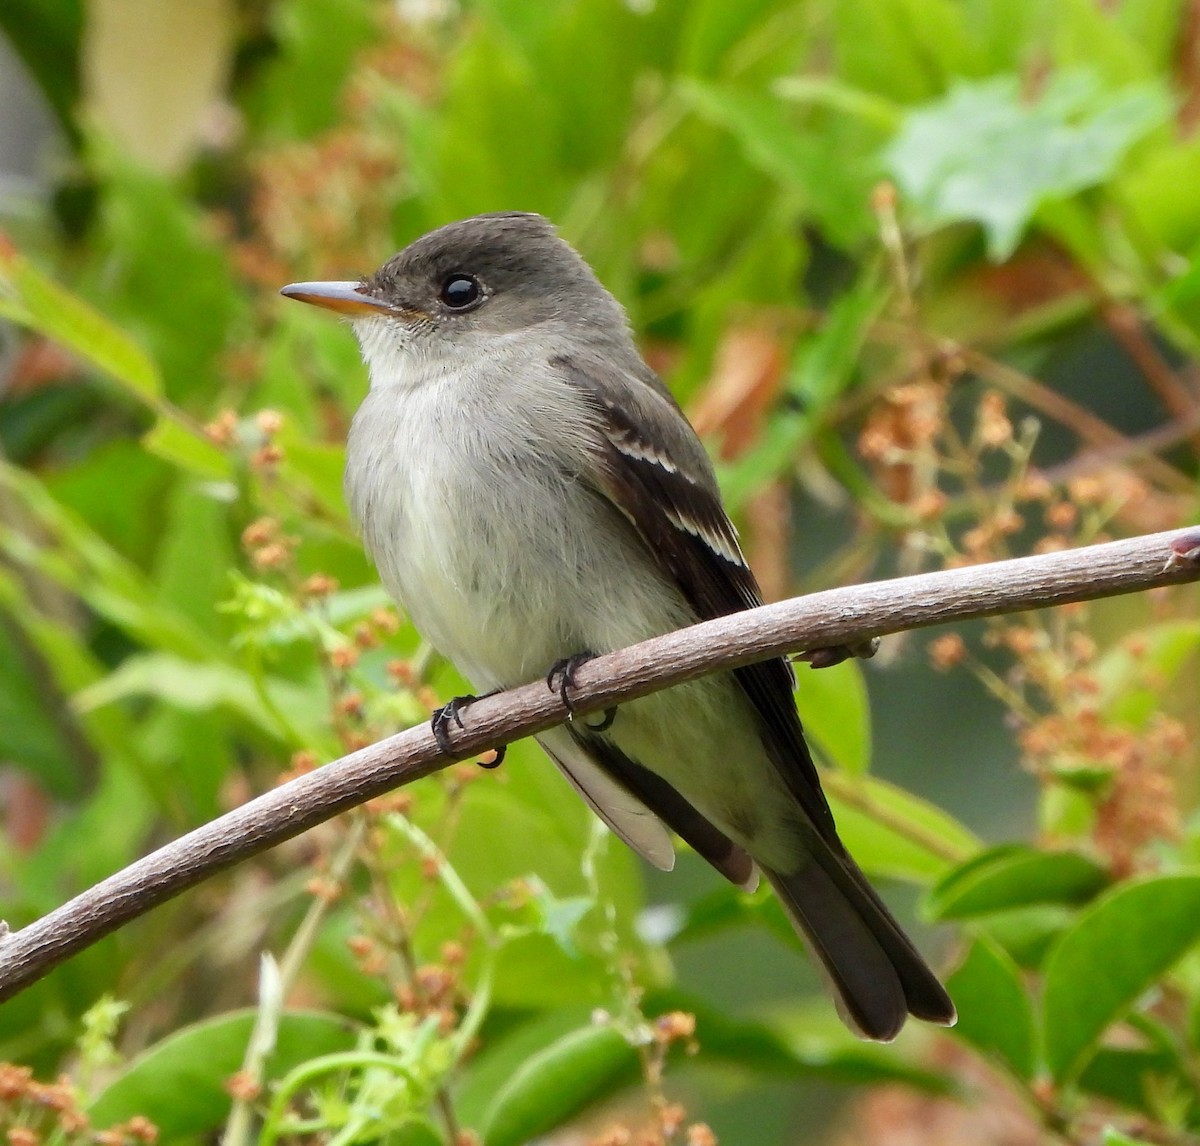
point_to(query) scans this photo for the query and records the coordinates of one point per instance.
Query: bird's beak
(346, 298)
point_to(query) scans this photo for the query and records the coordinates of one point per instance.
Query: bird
(532, 495)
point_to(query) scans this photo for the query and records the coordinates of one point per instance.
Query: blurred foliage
(926, 274)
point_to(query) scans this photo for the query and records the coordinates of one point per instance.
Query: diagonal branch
(835, 617)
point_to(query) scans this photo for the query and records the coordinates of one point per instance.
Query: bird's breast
(503, 556)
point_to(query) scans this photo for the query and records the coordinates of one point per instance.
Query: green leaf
(1156, 195)
(1132, 682)
(827, 360)
(824, 91)
(834, 709)
(179, 1083)
(891, 832)
(194, 686)
(182, 445)
(74, 556)
(557, 1082)
(1011, 876)
(1114, 1137)
(46, 34)
(32, 723)
(1116, 950)
(764, 129)
(985, 154)
(559, 918)
(994, 1012)
(1134, 1077)
(38, 302)
(772, 1048)
(1028, 933)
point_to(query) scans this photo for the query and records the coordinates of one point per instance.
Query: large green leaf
(891, 832)
(35, 300)
(995, 1014)
(1007, 877)
(1116, 951)
(1135, 1077)
(987, 154)
(833, 707)
(179, 1083)
(556, 1082)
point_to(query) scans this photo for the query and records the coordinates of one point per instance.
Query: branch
(836, 617)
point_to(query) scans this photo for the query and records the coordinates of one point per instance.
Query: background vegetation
(926, 274)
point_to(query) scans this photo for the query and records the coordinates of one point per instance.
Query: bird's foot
(451, 711)
(835, 654)
(496, 760)
(561, 679)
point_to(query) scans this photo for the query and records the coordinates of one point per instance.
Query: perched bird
(532, 494)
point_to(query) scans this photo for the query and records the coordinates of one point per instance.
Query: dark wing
(667, 491)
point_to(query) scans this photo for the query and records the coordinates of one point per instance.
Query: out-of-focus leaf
(46, 34)
(194, 686)
(184, 446)
(891, 832)
(75, 557)
(36, 301)
(163, 277)
(1027, 933)
(833, 708)
(1115, 1137)
(315, 469)
(524, 821)
(556, 1082)
(179, 1083)
(191, 568)
(1156, 195)
(905, 50)
(1132, 682)
(30, 720)
(826, 360)
(1011, 876)
(995, 1014)
(761, 125)
(315, 43)
(1116, 950)
(778, 1049)
(825, 91)
(1134, 1077)
(129, 523)
(983, 154)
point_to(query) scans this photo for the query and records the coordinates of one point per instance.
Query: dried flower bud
(947, 651)
(343, 657)
(319, 585)
(222, 429)
(269, 422)
(243, 1087)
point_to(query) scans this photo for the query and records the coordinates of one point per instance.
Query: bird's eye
(461, 291)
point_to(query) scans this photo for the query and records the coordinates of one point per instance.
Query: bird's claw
(496, 760)
(452, 711)
(439, 723)
(834, 654)
(561, 679)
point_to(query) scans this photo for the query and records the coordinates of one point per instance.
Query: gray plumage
(529, 490)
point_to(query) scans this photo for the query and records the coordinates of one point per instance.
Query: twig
(1127, 327)
(835, 617)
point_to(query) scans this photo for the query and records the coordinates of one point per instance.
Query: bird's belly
(509, 573)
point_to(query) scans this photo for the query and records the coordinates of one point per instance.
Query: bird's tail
(877, 975)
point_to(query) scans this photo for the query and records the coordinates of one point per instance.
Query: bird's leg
(561, 679)
(835, 654)
(452, 711)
